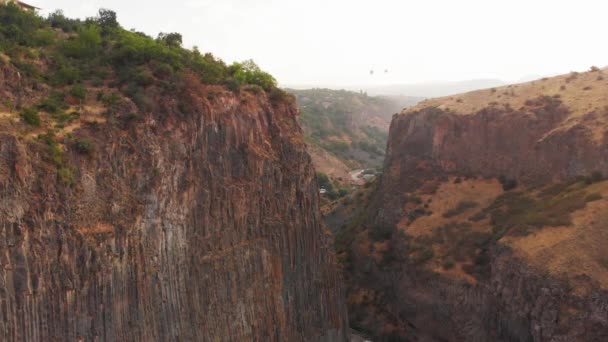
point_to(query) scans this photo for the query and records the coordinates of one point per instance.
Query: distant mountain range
(431, 89)
(424, 89)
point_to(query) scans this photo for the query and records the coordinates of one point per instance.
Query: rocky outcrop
(520, 134)
(198, 221)
(529, 145)
(516, 303)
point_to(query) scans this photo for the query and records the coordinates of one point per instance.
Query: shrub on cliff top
(58, 20)
(279, 95)
(248, 72)
(101, 49)
(86, 45)
(106, 19)
(17, 27)
(170, 39)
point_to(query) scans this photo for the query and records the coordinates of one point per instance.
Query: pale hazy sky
(338, 42)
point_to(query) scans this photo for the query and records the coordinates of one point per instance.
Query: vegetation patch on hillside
(71, 55)
(72, 71)
(350, 125)
(520, 213)
(459, 246)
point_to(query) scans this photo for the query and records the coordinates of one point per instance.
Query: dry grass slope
(559, 229)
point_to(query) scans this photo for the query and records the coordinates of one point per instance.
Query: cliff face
(517, 303)
(197, 221)
(448, 253)
(529, 144)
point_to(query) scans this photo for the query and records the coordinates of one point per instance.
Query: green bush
(448, 264)
(144, 77)
(66, 176)
(107, 20)
(170, 39)
(79, 92)
(233, 85)
(324, 181)
(412, 199)
(278, 95)
(333, 192)
(478, 217)
(248, 72)
(595, 177)
(162, 70)
(18, 27)
(133, 49)
(57, 158)
(417, 213)
(109, 100)
(86, 45)
(210, 69)
(425, 255)
(101, 49)
(54, 103)
(337, 147)
(144, 102)
(54, 149)
(508, 184)
(44, 37)
(370, 148)
(85, 146)
(58, 20)
(30, 115)
(380, 233)
(593, 197)
(460, 208)
(521, 213)
(27, 69)
(65, 75)
(388, 257)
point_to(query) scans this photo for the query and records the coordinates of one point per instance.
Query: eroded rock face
(516, 303)
(512, 300)
(528, 144)
(197, 224)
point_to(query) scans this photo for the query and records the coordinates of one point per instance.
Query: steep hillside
(150, 193)
(346, 130)
(489, 220)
